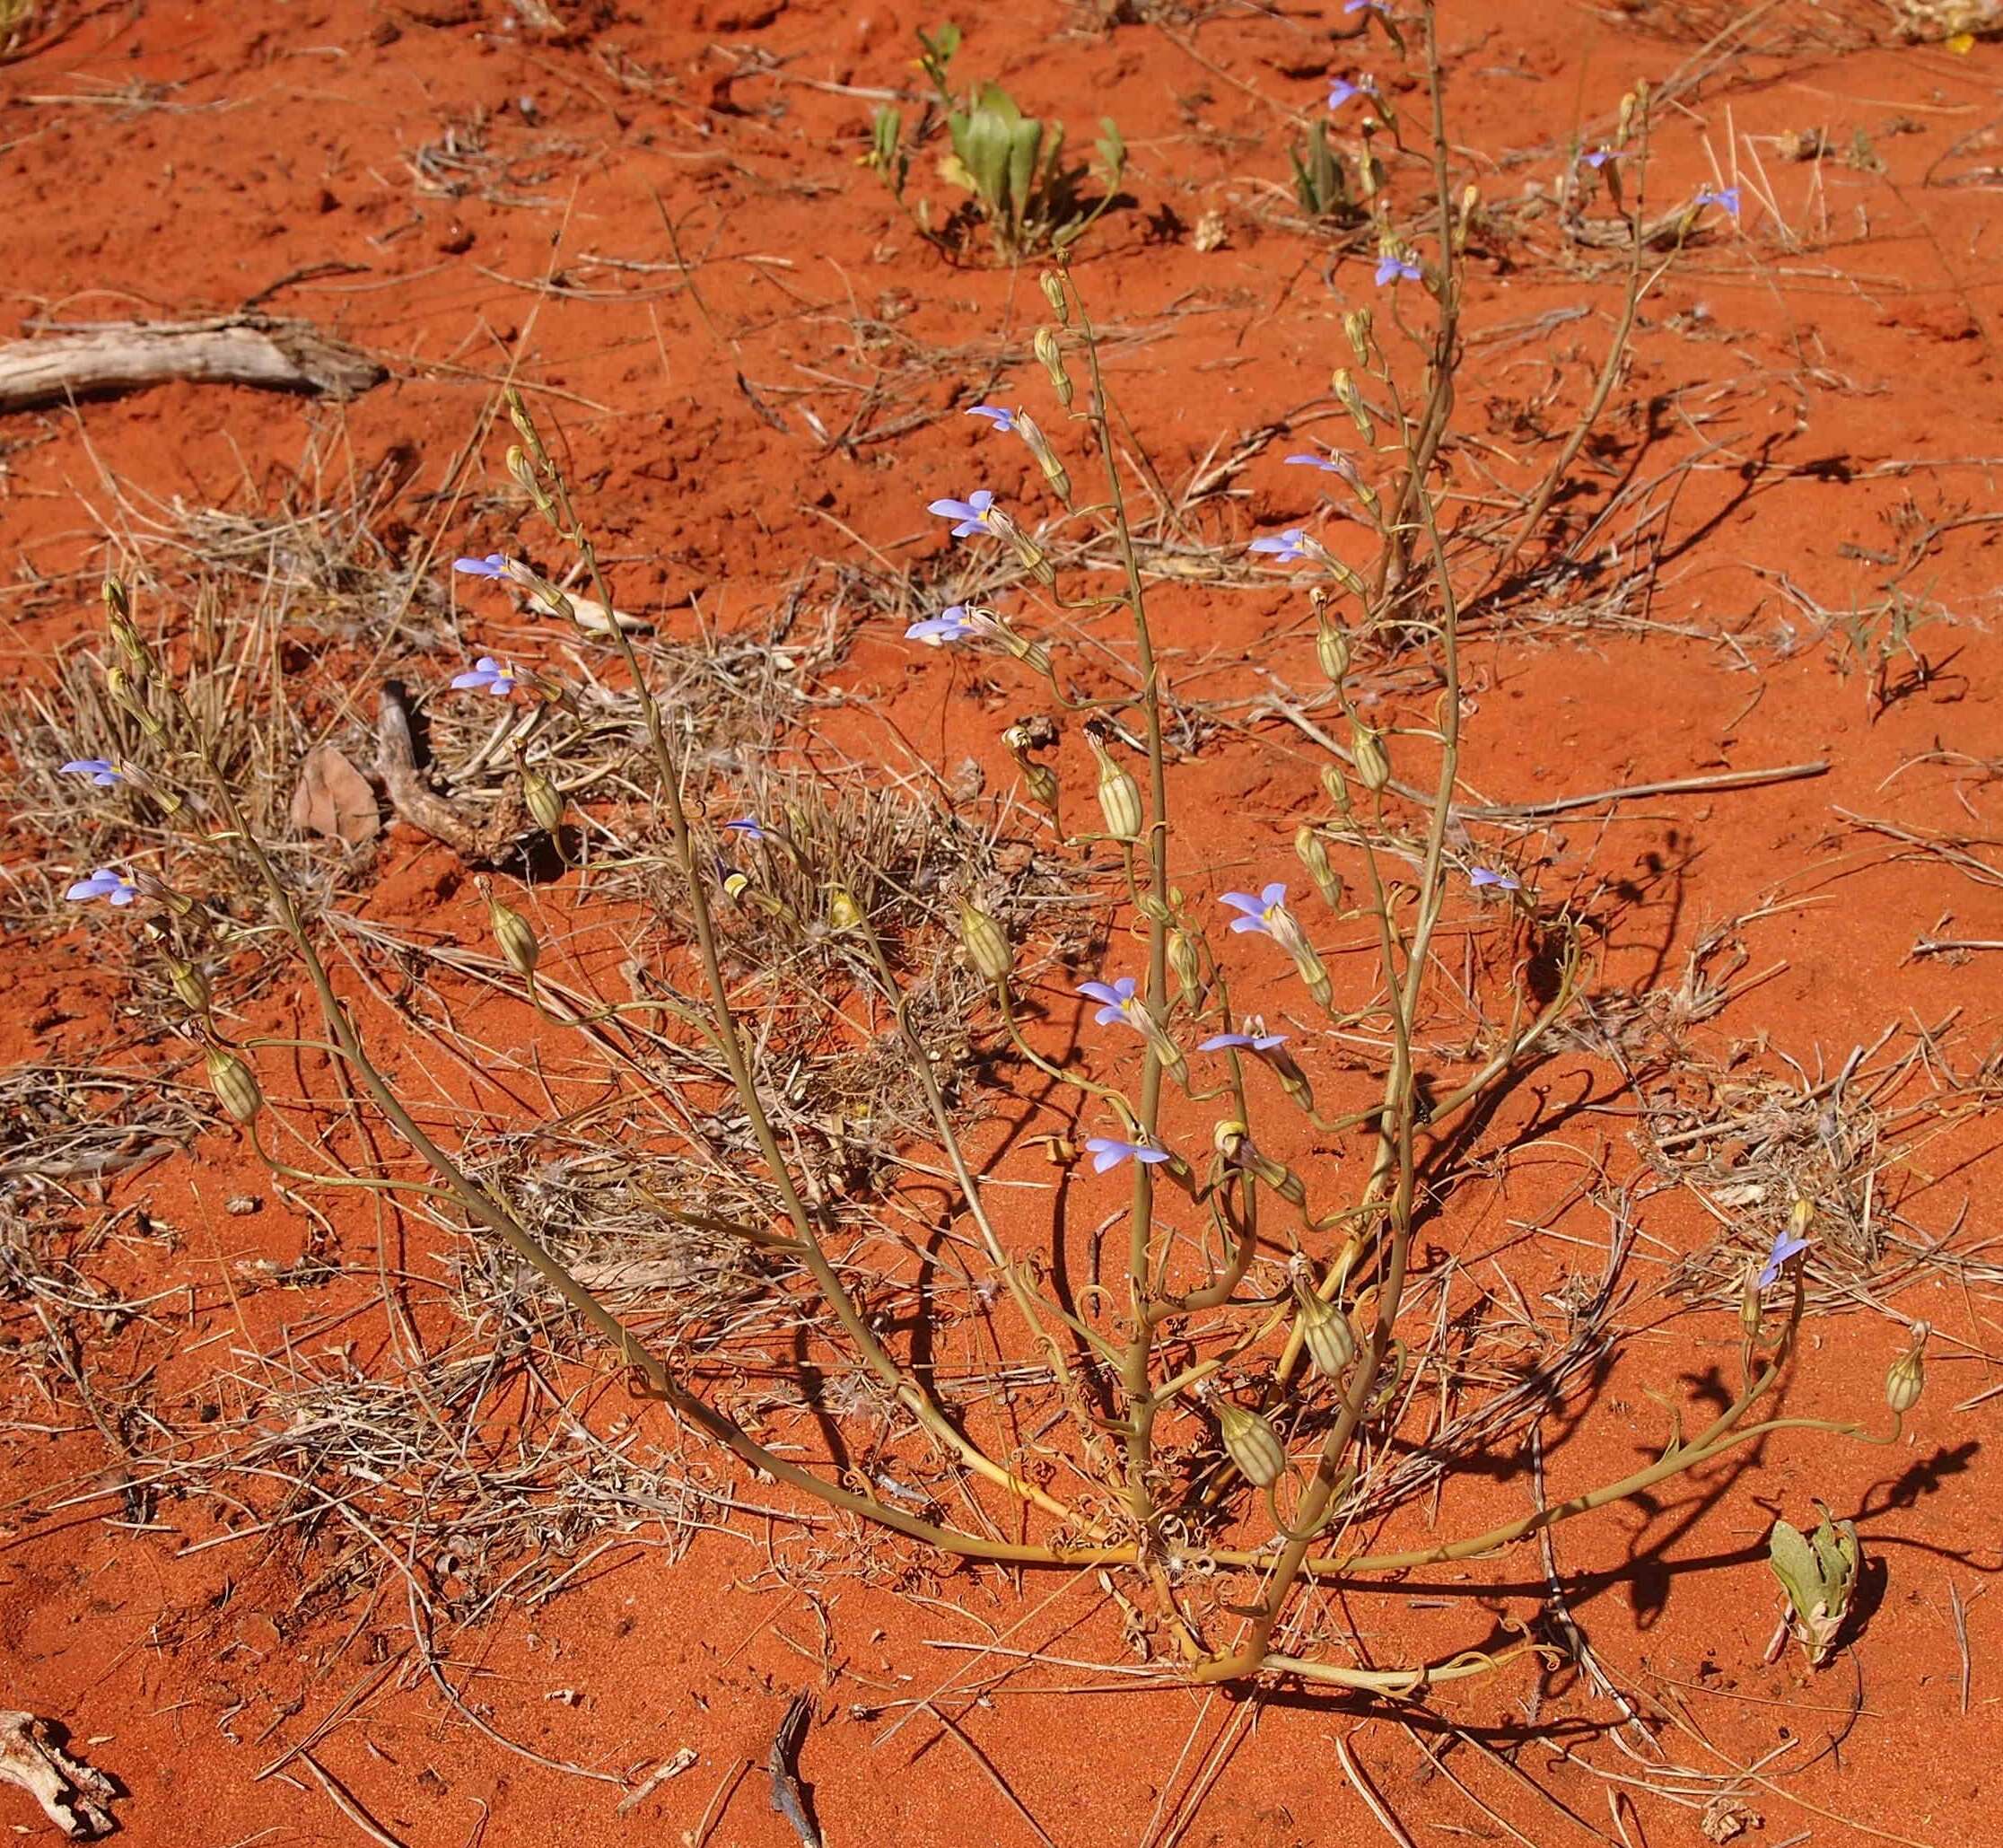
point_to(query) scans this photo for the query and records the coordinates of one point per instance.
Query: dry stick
(284, 355)
(1368, 1790)
(338, 1795)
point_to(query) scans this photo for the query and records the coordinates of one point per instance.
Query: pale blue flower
(102, 771)
(1118, 1003)
(953, 624)
(1484, 878)
(1109, 1152)
(493, 565)
(1261, 914)
(1287, 546)
(1393, 266)
(972, 515)
(105, 882)
(1328, 465)
(1725, 198)
(488, 676)
(1343, 90)
(1002, 420)
(1362, 6)
(1786, 1245)
(1599, 157)
(1244, 1042)
(748, 826)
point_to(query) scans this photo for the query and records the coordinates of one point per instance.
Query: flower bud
(118, 617)
(525, 426)
(1187, 965)
(234, 1083)
(987, 943)
(530, 483)
(1373, 768)
(1471, 197)
(1325, 1332)
(1356, 324)
(519, 947)
(1907, 1376)
(1233, 1140)
(736, 885)
(1351, 400)
(1749, 1300)
(1337, 786)
(190, 985)
(545, 801)
(1251, 1443)
(1052, 286)
(1041, 780)
(843, 914)
(1800, 1216)
(1052, 358)
(1314, 856)
(1038, 445)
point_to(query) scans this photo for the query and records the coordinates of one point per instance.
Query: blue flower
(1786, 1245)
(747, 825)
(1328, 465)
(1342, 90)
(1261, 914)
(487, 675)
(102, 771)
(1002, 420)
(1287, 546)
(971, 515)
(1109, 1152)
(1247, 1042)
(105, 882)
(953, 624)
(1394, 267)
(1725, 198)
(1362, 6)
(1118, 1003)
(1599, 157)
(493, 565)
(1482, 878)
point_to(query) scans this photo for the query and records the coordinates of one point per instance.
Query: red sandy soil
(1840, 359)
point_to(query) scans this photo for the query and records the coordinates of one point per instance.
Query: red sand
(161, 161)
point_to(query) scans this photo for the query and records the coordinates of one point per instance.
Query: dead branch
(281, 356)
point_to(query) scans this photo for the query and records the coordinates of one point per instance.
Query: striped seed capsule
(1052, 286)
(1373, 768)
(1908, 1377)
(1332, 648)
(518, 947)
(1051, 356)
(987, 943)
(1187, 965)
(1325, 1332)
(545, 801)
(843, 914)
(1251, 1443)
(1119, 794)
(235, 1086)
(190, 985)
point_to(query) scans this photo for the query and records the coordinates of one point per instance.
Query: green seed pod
(1187, 965)
(519, 947)
(1314, 856)
(1119, 794)
(1052, 286)
(1337, 786)
(736, 885)
(1251, 1443)
(1332, 648)
(1051, 355)
(545, 801)
(1907, 1378)
(987, 943)
(234, 1083)
(1325, 1332)
(530, 483)
(1038, 445)
(190, 984)
(1373, 768)
(1356, 324)
(843, 914)
(1041, 780)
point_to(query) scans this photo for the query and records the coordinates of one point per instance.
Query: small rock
(243, 1205)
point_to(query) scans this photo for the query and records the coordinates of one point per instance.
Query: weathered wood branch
(246, 349)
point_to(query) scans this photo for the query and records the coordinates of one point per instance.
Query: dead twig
(281, 355)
